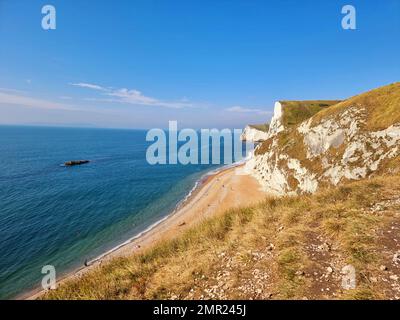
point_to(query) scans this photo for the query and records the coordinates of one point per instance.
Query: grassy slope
(382, 106)
(295, 112)
(262, 127)
(230, 256)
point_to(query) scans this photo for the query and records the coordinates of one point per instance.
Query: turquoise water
(50, 214)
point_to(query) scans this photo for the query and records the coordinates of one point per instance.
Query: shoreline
(181, 203)
(196, 206)
(199, 184)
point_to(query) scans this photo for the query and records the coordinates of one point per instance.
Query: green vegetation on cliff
(382, 106)
(262, 127)
(295, 112)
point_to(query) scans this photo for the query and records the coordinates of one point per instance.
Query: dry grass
(295, 112)
(382, 106)
(230, 257)
(262, 127)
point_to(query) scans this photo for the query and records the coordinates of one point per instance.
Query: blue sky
(220, 63)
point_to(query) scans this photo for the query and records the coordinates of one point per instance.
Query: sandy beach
(229, 188)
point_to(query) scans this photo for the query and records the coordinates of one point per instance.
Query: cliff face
(253, 135)
(340, 141)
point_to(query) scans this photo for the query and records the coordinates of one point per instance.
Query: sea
(62, 216)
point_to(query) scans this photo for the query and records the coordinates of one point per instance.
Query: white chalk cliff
(328, 148)
(276, 125)
(252, 134)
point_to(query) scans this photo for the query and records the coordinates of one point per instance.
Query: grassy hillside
(382, 106)
(262, 127)
(295, 112)
(290, 248)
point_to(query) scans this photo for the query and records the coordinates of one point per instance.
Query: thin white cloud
(100, 99)
(131, 96)
(12, 90)
(15, 99)
(89, 86)
(136, 97)
(239, 109)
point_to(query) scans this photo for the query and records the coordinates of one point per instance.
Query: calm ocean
(50, 214)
